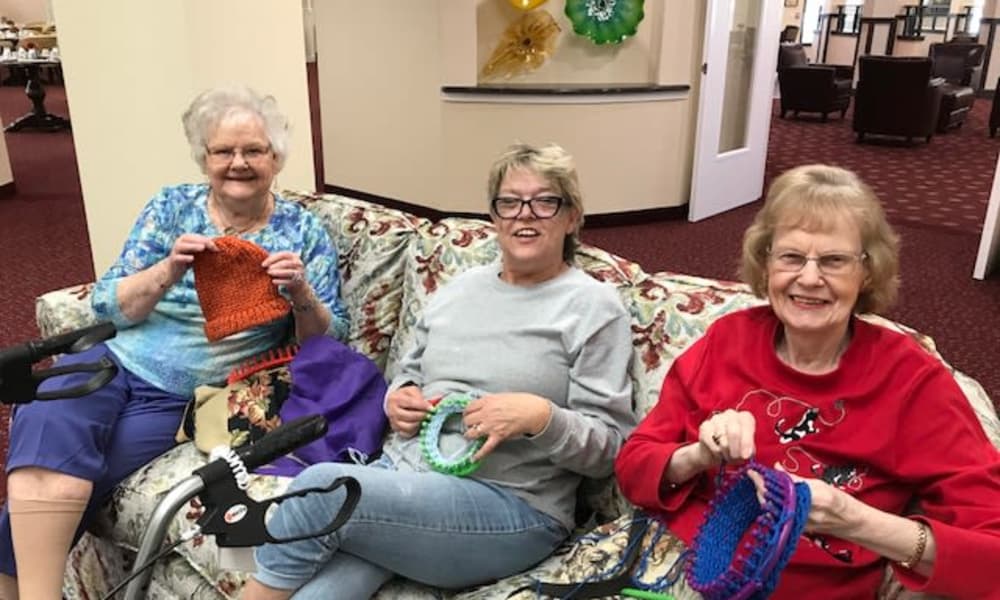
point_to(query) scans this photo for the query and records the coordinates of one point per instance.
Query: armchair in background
(810, 87)
(896, 96)
(958, 62)
(790, 34)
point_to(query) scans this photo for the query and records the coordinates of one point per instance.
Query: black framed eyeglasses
(541, 207)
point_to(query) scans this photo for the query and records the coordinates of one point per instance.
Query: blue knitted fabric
(719, 569)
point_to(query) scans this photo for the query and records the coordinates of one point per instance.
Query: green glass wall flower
(605, 21)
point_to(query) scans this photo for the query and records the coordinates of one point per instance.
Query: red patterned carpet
(944, 184)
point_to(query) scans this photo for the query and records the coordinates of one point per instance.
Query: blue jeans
(437, 529)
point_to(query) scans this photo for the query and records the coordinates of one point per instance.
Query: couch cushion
(371, 241)
(64, 310)
(669, 312)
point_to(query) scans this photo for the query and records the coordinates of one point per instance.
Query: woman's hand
(502, 416)
(830, 512)
(728, 436)
(406, 408)
(182, 255)
(287, 269)
(137, 294)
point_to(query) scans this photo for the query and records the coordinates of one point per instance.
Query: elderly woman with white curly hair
(67, 455)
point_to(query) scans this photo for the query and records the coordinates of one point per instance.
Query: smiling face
(248, 171)
(532, 248)
(813, 305)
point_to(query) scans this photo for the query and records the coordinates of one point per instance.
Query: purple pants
(102, 437)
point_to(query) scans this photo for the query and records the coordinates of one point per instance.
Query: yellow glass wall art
(524, 46)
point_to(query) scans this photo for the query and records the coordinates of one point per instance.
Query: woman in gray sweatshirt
(543, 350)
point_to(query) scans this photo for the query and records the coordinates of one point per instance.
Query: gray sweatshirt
(566, 339)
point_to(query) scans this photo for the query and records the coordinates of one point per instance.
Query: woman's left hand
(502, 416)
(830, 508)
(286, 268)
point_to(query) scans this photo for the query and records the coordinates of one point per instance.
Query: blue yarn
(718, 571)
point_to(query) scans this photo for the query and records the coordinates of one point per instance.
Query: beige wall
(840, 50)
(26, 11)
(792, 15)
(126, 111)
(388, 131)
(917, 47)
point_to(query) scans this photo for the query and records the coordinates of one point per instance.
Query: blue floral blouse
(169, 348)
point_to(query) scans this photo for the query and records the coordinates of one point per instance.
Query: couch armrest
(64, 310)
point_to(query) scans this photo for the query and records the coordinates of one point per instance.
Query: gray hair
(210, 107)
(553, 163)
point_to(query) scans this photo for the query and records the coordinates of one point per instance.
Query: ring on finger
(717, 439)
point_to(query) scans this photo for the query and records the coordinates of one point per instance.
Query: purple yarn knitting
(719, 569)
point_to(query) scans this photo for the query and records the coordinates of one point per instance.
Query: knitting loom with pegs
(430, 438)
(742, 546)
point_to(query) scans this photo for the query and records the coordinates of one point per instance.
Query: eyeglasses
(250, 154)
(542, 207)
(835, 263)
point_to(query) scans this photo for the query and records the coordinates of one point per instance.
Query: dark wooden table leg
(38, 118)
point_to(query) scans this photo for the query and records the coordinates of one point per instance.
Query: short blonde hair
(553, 163)
(212, 106)
(813, 197)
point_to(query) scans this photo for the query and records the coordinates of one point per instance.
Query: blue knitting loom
(718, 569)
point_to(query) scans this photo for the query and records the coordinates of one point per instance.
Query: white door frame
(722, 181)
(988, 256)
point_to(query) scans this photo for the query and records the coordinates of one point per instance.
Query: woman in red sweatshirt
(873, 423)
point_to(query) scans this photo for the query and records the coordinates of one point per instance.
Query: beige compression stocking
(42, 531)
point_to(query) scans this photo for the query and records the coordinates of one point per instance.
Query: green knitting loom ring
(430, 438)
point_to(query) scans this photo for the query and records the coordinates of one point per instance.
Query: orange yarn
(234, 290)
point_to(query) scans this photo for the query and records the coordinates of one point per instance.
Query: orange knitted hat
(234, 291)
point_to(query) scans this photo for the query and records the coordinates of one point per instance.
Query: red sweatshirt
(887, 426)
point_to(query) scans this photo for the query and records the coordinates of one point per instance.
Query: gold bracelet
(918, 551)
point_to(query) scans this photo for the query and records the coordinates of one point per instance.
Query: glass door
(734, 104)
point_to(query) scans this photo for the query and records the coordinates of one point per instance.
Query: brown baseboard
(616, 219)
(421, 211)
(637, 217)
(7, 190)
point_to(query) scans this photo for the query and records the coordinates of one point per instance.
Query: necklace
(255, 221)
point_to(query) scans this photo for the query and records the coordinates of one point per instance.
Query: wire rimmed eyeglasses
(541, 207)
(833, 263)
(226, 154)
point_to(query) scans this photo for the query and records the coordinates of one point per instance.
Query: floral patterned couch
(391, 262)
